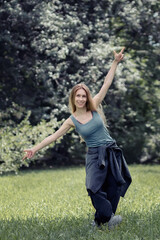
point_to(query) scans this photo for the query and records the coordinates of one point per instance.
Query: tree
(67, 42)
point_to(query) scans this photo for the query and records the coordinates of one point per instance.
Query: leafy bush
(14, 140)
(48, 46)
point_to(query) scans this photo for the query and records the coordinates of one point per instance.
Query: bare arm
(48, 140)
(108, 79)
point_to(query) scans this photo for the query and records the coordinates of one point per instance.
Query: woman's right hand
(119, 56)
(29, 153)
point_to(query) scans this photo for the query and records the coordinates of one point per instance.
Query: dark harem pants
(106, 199)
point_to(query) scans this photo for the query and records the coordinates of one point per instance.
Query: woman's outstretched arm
(48, 140)
(109, 78)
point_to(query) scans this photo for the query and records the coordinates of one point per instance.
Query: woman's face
(80, 98)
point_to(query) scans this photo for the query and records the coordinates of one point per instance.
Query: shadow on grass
(143, 225)
(37, 229)
(134, 226)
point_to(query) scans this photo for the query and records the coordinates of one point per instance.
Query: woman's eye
(83, 96)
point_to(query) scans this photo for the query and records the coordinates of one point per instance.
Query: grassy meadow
(53, 204)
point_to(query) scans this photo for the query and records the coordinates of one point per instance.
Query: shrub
(13, 140)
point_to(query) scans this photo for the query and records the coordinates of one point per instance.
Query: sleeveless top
(94, 131)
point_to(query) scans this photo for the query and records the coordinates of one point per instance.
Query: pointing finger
(122, 50)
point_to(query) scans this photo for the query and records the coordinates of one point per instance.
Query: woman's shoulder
(94, 112)
(69, 122)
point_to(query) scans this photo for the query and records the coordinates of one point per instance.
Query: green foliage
(48, 46)
(13, 140)
(12, 115)
(17, 62)
(54, 204)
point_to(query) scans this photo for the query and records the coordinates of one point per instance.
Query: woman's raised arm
(108, 79)
(48, 140)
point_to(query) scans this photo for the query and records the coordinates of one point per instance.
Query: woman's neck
(80, 111)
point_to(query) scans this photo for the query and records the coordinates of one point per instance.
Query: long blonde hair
(89, 104)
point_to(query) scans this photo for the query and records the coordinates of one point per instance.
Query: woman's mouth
(80, 103)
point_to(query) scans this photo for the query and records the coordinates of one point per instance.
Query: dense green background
(46, 47)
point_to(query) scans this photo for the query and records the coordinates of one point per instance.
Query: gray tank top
(94, 132)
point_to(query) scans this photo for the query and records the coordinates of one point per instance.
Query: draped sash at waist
(97, 161)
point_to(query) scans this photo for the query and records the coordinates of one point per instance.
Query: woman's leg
(105, 201)
(111, 188)
(102, 205)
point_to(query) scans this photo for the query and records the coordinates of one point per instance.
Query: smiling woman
(107, 174)
(81, 90)
(80, 98)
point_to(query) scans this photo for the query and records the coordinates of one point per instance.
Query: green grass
(53, 204)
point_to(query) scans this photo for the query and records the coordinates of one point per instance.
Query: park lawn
(53, 204)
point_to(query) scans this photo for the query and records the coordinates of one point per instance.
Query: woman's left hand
(119, 56)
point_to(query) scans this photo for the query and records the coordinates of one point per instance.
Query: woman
(107, 175)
